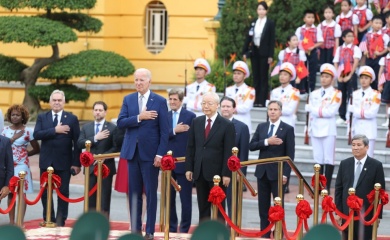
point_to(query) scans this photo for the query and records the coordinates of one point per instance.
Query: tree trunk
(30, 75)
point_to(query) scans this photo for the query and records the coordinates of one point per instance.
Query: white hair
(57, 91)
(212, 94)
(145, 71)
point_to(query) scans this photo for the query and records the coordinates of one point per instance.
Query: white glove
(350, 108)
(307, 108)
(185, 100)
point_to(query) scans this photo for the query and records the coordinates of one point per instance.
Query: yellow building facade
(188, 31)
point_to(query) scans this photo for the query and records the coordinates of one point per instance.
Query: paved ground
(119, 210)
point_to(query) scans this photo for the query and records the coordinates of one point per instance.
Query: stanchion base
(48, 224)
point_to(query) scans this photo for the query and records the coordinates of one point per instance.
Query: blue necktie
(271, 130)
(174, 119)
(97, 128)
(197, 88)
(323, 93)
(55, 122)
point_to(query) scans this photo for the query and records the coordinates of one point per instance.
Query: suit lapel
(150, 101)
(364, 170)
(280, 130)
(49, 117)
(264, 30)
(170, 119)
(64, 118)
(214, 128)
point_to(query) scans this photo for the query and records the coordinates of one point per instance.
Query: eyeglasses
(207, 103)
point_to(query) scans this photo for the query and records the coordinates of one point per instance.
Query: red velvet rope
(234, 163)
(322, 181)
(336, 224)
(168, 163)
(374, 218)
(13, 184)
(216, 195)
(10, 206)
(303, 209)
(56, 180)
(86, 159)
(323, 219)
(355, 203)
(328, 204)
(383, 196)
(241, 232)
(75, 200)
(296, 233)
(36, 199)
(105, 170)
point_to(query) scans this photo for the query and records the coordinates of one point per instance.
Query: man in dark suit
(59, 131)
(144, 114)
(274, 139)
(259, 46)
(360, 172)
(210, 142)
(6, 165)
(228, 108)
(102, 136)
(179, 123)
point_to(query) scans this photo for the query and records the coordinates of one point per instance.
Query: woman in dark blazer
(259, 46)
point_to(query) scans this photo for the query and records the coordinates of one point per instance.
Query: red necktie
(207, 129)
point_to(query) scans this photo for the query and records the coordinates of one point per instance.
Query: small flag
(382, 79)
(363, 44)
(337, 1)
(276, 69)
(302, 71)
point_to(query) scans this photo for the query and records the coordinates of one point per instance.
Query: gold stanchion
(214, 215)
(167, 204)
(324, 193)
(351, 191)
(162, 200)
(234, 198)
(247, 183)
(278, 227)
(280, 182)
(19, 217)
(317, 168)
(239, 202)
(48, 223)
(377, 187)
(299, 198)
(300, 186)
(99, 186)
(86, 179)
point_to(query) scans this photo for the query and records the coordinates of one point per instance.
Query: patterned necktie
(55, 122)
(271, 130)
(357, 173)
(207, 129)
(140, 103)
(97, 128)
(174, 119)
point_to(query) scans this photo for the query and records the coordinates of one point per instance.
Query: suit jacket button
(204, 147)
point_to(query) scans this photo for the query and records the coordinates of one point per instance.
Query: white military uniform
(194, 96)
(244, 96)
(289, 96)
(365, 108)
(323, 107)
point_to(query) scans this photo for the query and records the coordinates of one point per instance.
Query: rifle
(388, 136)
(350, 124)
(306, 141)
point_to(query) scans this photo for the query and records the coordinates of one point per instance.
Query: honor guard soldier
(243, 94)
(365, 106)
(197, 89)
(287, 94)
(323, 106)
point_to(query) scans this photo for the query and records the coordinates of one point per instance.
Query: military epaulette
(295, 89)
(375, 91)
(210, 84)
(230, 86)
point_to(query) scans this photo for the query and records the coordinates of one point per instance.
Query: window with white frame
(156, 27)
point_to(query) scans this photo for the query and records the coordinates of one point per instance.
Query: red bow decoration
(234, 163)
(383, 196)
(328, 204)
(168, 162)
(13, 183)
(322, 181)
(275, 214)
(217, 195)
(54, 178)
(86, 159)
(105, 170)
(303, 209)
(354, 202)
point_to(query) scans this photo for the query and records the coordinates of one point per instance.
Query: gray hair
(177, 91)
(212, 94)
(277, 102)
(361, 137)
(57, 91)
(144, 70)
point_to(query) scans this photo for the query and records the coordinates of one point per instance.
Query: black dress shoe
(148, 236)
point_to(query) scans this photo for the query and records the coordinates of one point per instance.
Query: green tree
(288, 15)
(54, 27)
(234, 25)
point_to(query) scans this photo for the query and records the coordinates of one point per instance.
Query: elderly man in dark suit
(6, 165)
(360, 172)
(274, 139)
(179, 123)
(144, 115)
(102, 136)
(228, 108)
(210, 143)
(59, 131)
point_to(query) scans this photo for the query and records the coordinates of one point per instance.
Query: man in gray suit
(102, 136)
(6, 166)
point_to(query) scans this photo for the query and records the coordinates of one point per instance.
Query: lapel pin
(365, 169)
(105, 126)
(65, 116)
(281, 129)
